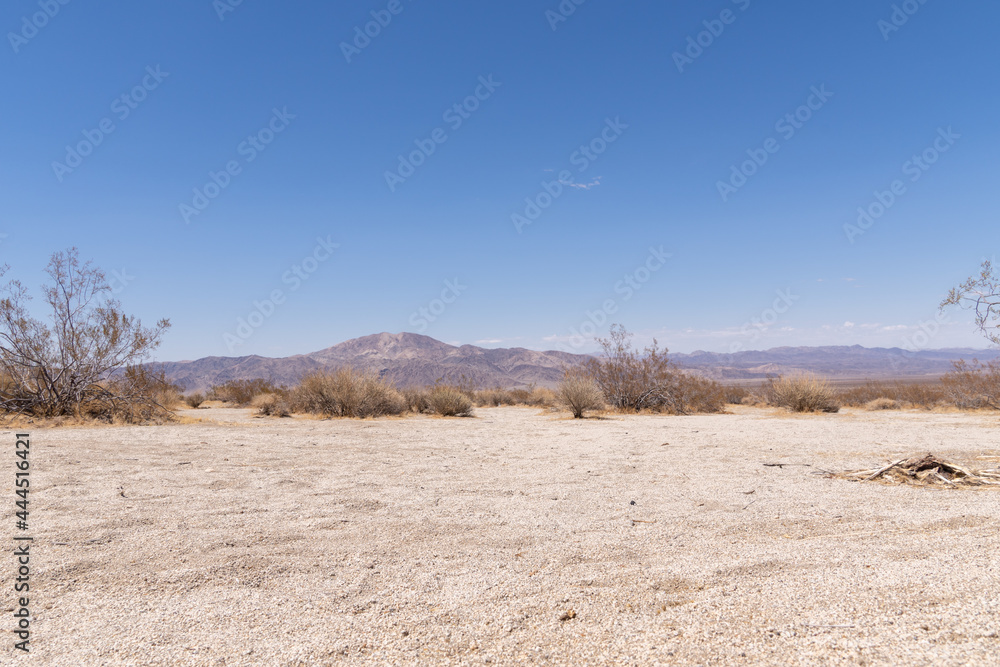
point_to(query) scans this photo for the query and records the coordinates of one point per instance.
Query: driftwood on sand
(924, 470)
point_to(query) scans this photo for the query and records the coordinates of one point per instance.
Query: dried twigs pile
(925, 470)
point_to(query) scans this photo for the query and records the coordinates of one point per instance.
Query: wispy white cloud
(584, 186)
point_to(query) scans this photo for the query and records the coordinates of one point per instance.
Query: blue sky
(693, 165)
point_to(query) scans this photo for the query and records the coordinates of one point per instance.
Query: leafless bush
(55, 370)
(580, 393)
(494, 398)
(975, 385)
(241, 392)
(347, 393)
(801, 393)
(634, 381)
(271, 405)
(416, 399)
(194, 400)
(449, 401)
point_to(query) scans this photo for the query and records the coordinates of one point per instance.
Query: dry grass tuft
(580, 393)
(881, 404)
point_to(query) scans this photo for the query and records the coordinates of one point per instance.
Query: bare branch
(981, 294)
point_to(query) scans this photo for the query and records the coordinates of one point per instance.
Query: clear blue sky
(209, 79)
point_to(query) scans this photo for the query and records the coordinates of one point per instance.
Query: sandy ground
(517, 536)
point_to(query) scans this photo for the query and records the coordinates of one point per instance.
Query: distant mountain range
(834, 362)
(406, 359)
(411, 359)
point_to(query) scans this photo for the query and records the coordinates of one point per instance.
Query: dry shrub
(463, 384)
(881, 404)
(533, 396)
(242, 392)
(494, 398)
(911, 394)
(541, 397)
(449, 401)
(416, 399)
(580, 393)
(164, 392)
(800, 393)
(85, 357)
(697, 394)
(734, 394)
(194, 400)
(137, 395)
(347, 393)
(974, 386)
(271, 405)
(520, 396)
(634, 381)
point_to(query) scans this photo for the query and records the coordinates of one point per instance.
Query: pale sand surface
(464, 541)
